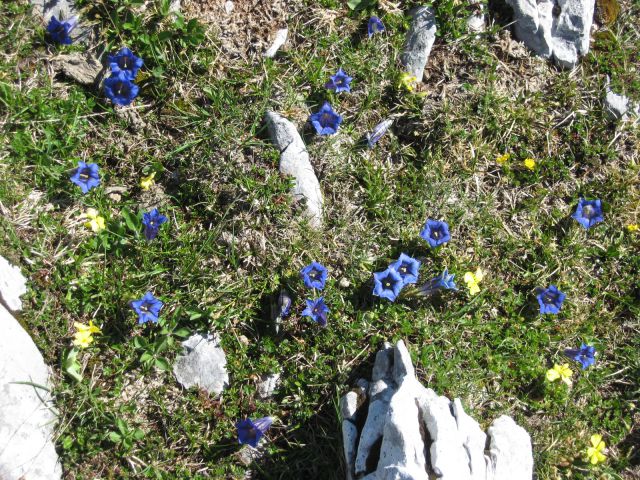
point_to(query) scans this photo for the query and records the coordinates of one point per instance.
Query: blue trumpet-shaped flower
(588, 212)
(387, 284)
(445, 281)
(317, 310)
(86, 176)
(325, 121)
(340, 82)
(375, 25)
(250, 432)
(284, 304)
(59, 31)
(586, 355)
(120, 89)
(378, 131)
(125, 61)
(152, 221)
(550, 299)
(147, 308)
(407, 267)
(314, 275)
(435, 233)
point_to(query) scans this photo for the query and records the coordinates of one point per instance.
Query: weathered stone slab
(26, 417)
(12, 285)
(202, 364)
(419, 41)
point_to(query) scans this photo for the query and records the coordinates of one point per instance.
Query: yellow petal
(93, 328)
(146, 182)
(503, 158)
(479, 275)
(552, 375)
(530, 163)
(596, 439)
(633, 227)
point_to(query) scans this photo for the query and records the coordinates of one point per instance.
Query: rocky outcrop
(554, 29)
(419, 41)
(294, 161)
(26, 412)
(412, 433)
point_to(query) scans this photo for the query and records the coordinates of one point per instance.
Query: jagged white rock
(12, 285)
(557, 29)
(424, 435)
(26, 415)
(203, 364)
(419, 41)
(268, 384)
(294, 161)
(281, 37)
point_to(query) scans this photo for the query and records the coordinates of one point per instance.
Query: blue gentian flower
(147, 308)
(407, 267)
(387, 284)
(317, 310)
(250, 433)
(326, 121)
(375, 25)
(435, 233)
(586, 355)
(59, 31)
(588, 212)
(378, 131)
(445, 281)
(125, 61)
(152, 221)
(550, 299)
(284, 304)
(86, 176)
(120, 89)
(340, 82)
(314, 275)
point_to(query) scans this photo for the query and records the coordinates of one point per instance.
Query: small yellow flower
(84, 334)
(408, 82)
(472, 280)
(562, 372)
(502, 159)
(146, 182)
(633, 227)
(530, 163)
(96, 222)
(594, 452)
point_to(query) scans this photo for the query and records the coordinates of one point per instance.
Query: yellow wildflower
(562, 372)
(633, 227)
(530, 163)
(408, 82)
(502, 159)
(146, 182)
(84, 334)
(472, 280)
(594, 452)
(96, 222)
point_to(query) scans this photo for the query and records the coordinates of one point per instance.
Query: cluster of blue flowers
(314, 276)
(120, 87)
(326, 121)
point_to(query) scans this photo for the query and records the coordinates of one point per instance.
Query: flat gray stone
(26, 417)
(616, 106)
(419, 41)
(554, 29)
(268, 384)
(82, 68)
(294, 161)
(509, 451)
(12, 285)
(203, 364)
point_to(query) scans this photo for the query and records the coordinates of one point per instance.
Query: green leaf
(359, 4)
(71, 366)
(130, 220)
(146, 357)
(182, 332)
(163, 364)
(114, 437)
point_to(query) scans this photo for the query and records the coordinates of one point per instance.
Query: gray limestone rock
(510, 451)
(616, 106)
(203, 363)
(420, 435)
(294, 161)
(82, 68)
(278, 41)
(476, 21)
(268, 384)
(557, 29)
(26, 416)
(12, 285)
(419, 41)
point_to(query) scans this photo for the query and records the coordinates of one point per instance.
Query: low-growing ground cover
(233, 238)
